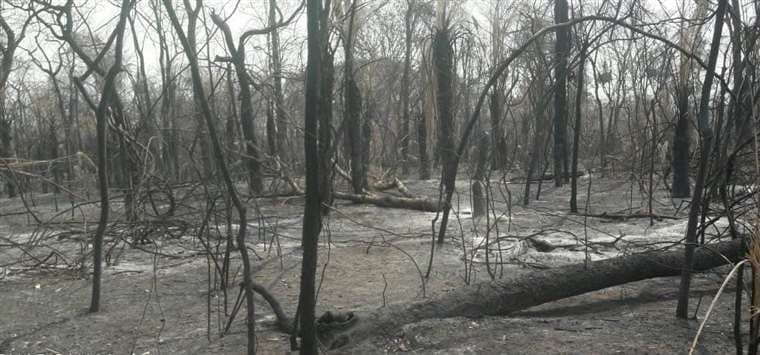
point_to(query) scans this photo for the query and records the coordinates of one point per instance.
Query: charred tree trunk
(479, 202)
(326, 171)
(367, 141)
(279, 101)
(706, 135)
(502, 297)
(312, 221)
(327, 81)
(422, 145)
(688, 36)
(499, 143)
(577, 131)
(559, 121)
(5, 141)
(412, 203)
(271, 129)
(189, 49)
(602, 146)
(681, 141)
(409, 24)
(443, 68)
(107, 100)
(232, 120)
(353, 109)
(169, 150)
(237, 57)
(7, 51)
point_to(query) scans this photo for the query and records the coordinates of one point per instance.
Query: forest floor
(156, 296)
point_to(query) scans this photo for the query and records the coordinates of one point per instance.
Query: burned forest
(379, 176)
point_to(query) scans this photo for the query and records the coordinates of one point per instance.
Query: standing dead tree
(12, 39)
(443, 68)
(559, 120)
(237, 57)
(688, 37)
(218, 150)
(312, 220)
(579, 93)
(101, 115)
(706, 137)
(109, 104)
(504, 65)
(280, 114)
(410, 22)
(538, 71)
(353, 105)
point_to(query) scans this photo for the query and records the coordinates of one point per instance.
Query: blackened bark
(422, 145)
(312, 220)
(681, 145)
(6, 65)
(252, 160)
(706, 135)
(561, 50)
(188, 47)
(577, 131)
(271, 129)
(353, 110)
(107, 100)
(279, 101)
(479, 202)
(327, 80)
(405, 84)
(443, 67)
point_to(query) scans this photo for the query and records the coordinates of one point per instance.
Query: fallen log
(501, 297)
(544, 177)
(624, 217)
(402, 188)
(416, 203)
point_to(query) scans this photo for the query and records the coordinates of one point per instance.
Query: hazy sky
(102, 15)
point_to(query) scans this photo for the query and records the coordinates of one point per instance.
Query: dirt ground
(157, 296)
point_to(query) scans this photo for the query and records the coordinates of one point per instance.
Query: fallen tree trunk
(506, 296)
(544, 177)
(416, 203)
(624, 217)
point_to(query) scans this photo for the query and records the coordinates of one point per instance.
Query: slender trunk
(252, 159)
(327, 81)
(188, 47)
(353, 109)
(681, 145)
(706, 135)
(600, 108)
(6, 147)
(312, 215)
(107, 101)
(577, 131)
(232, 123)
(559, 121)
(5, 141)
(405, 83)
(479, 183)
(495, 106)
(279, 101)
(422, 145)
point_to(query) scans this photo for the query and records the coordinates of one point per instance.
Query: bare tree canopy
(379, 176)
